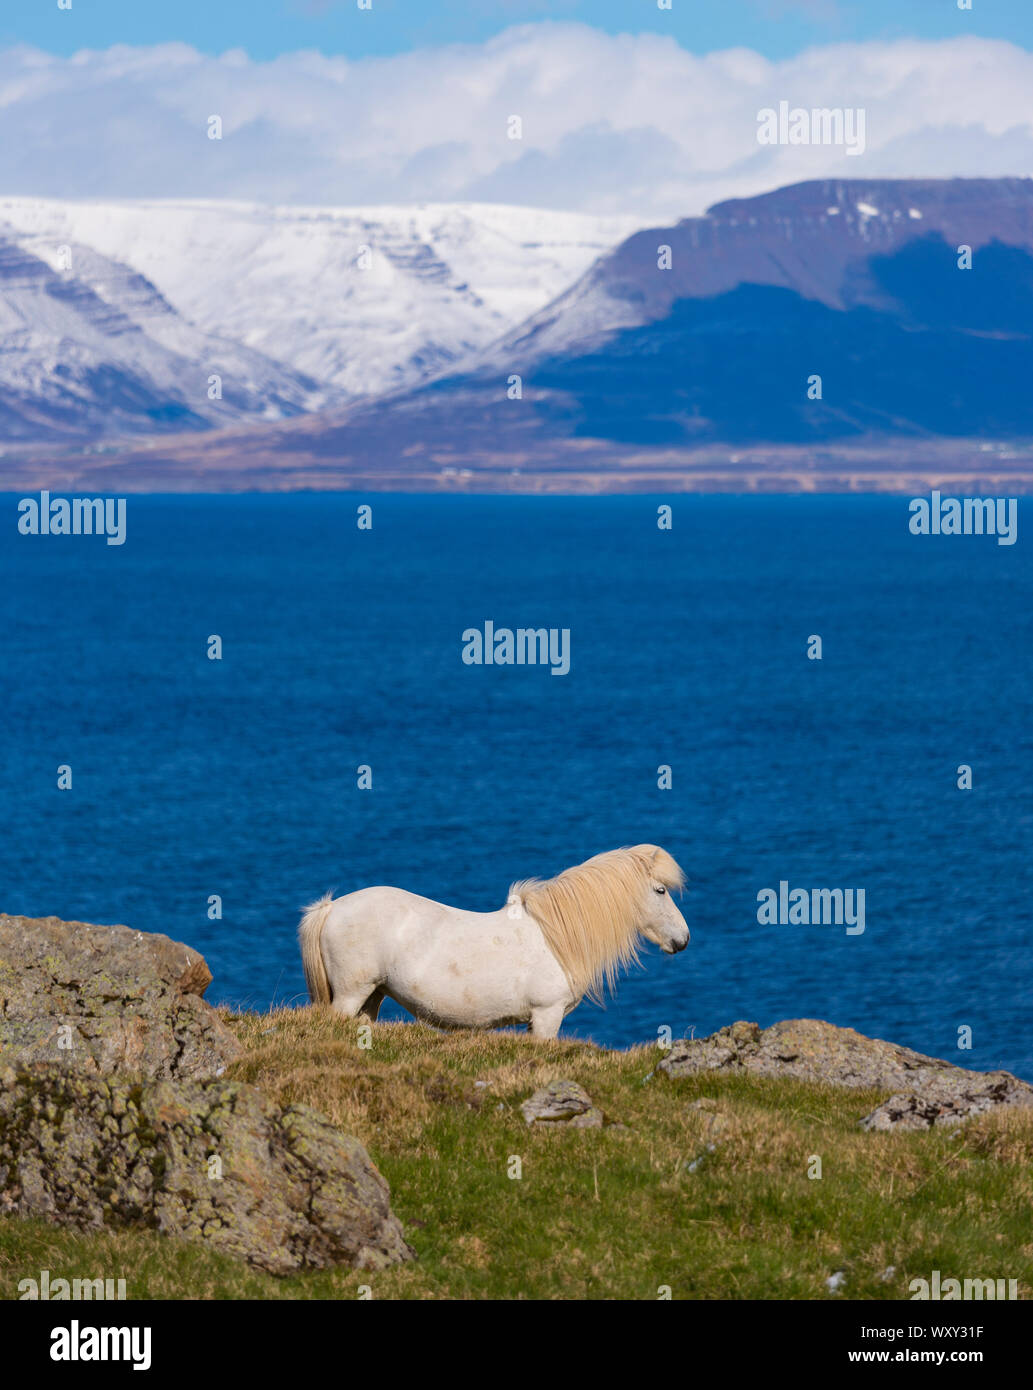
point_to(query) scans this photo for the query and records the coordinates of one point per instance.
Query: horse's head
(593, 914)
(662, 922)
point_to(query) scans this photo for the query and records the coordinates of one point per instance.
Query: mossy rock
(212, 1161)
(108, 1000)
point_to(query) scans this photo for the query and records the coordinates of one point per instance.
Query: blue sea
(341, 648)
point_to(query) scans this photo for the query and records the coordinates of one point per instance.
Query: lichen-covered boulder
(107, 999)
(212, 1161)
(962, 1097)
(927, 1090)
(805, 1049)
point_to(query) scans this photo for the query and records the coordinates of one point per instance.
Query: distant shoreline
(291, 460)
(547, 486)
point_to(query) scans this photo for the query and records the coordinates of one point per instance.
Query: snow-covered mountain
(828, 312)
(815, 239)
(295, 307)
(827, 316)
(90, 348)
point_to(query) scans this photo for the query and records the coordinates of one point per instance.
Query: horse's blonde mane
(589, 914)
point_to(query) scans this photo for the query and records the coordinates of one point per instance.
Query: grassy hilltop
(712, 1200)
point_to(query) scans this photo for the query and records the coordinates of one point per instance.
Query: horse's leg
(353, 1001)
(545, 1023)
(372, 1005)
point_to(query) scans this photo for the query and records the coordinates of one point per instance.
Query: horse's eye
(659, 890)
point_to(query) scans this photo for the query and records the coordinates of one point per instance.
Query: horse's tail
(310, 934)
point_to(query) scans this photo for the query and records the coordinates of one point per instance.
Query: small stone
(562, 1102)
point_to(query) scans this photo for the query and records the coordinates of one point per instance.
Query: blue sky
(266, 28)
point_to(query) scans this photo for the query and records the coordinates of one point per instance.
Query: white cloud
(611, 123)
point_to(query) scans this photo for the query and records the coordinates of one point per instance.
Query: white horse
(530, 962)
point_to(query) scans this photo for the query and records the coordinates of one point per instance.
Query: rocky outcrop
(564, 1103)
(213, 1161)
(927, 1091)
(107, 999)
(954, 1099)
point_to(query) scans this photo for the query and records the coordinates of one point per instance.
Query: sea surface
(342, 647)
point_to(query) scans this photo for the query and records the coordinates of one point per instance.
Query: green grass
(610, 1213)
